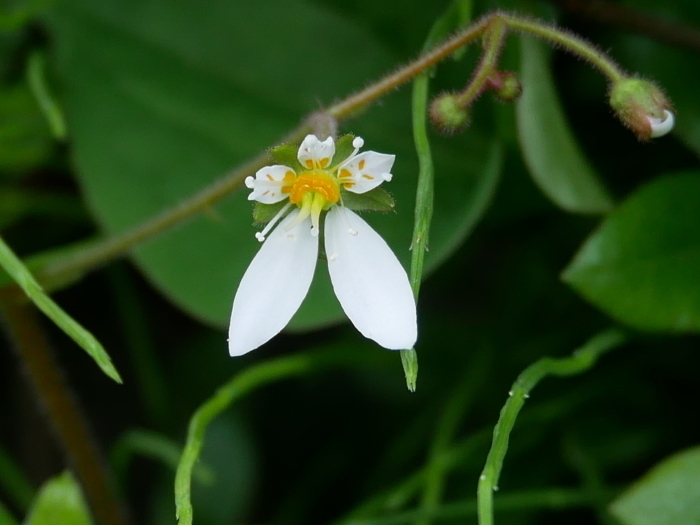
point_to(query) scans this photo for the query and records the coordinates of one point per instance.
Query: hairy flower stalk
(368, 280)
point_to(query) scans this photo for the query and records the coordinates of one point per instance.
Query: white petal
(661, 126)
(369, 281)
(273, 287)
(365, 171)
(268, 183)
(316, 154)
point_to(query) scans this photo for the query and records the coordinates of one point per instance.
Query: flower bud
(506, 86)
(642, 107)
(447, 113)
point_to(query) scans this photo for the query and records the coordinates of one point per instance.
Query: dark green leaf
(264, 213)
(60, 500)
(377, 199)
(554, 158)
(669, 494)
(286, 154)
(343, 149)
(641, 265)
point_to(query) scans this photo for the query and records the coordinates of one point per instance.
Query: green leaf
(23, 277)
(286, 154)
(343, 149)
(669, 494)
(157, 112)
(554, 158)
(641, 265)
(60, 500)
(377, 199)
(264, 213)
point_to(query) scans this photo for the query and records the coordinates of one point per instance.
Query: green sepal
(286, 154)
(373, 200)
(343, 149)
(264, 213)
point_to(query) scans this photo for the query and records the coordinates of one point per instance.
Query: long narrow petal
(273, 287)
(369, 281)
(365, 171)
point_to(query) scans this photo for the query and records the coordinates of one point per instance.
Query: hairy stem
(67, 419)
(57, 271)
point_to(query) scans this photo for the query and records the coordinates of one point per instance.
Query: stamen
(260, 236)
(250, 182)
(316, 208)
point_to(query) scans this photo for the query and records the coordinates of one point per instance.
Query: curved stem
(240, 385)
(581, 360)
(569, 42)
(70, 266)
(493, 44)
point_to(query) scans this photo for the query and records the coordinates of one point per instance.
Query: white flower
(368, 280)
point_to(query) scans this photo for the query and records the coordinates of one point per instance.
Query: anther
(352, 232)
(259, 236)
(387, 176)
(358, 142)
(314, 231)
(250, 182)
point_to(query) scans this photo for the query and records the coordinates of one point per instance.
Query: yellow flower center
(313, 192)
(319, 182)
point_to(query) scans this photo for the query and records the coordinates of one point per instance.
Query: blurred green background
(552, 223)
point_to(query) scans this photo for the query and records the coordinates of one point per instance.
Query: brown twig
(66, 417)
(629, 19)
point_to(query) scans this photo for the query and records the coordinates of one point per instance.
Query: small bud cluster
(451, 112)
(642, 107)
(448, 114)
(505, 86)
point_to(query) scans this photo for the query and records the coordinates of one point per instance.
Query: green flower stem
(555, 498)
(23, 277)
(59, 270)
(67, 419)
(423, 211)
(36, 78)
(14, 483)
(494, 39)
(567, 41)
(581, 360)
(240, 385)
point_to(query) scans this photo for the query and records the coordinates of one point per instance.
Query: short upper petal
(365, 171)
(369, 281)
(270, 183)
(274, 286)
(314, 153)
(661, 126)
